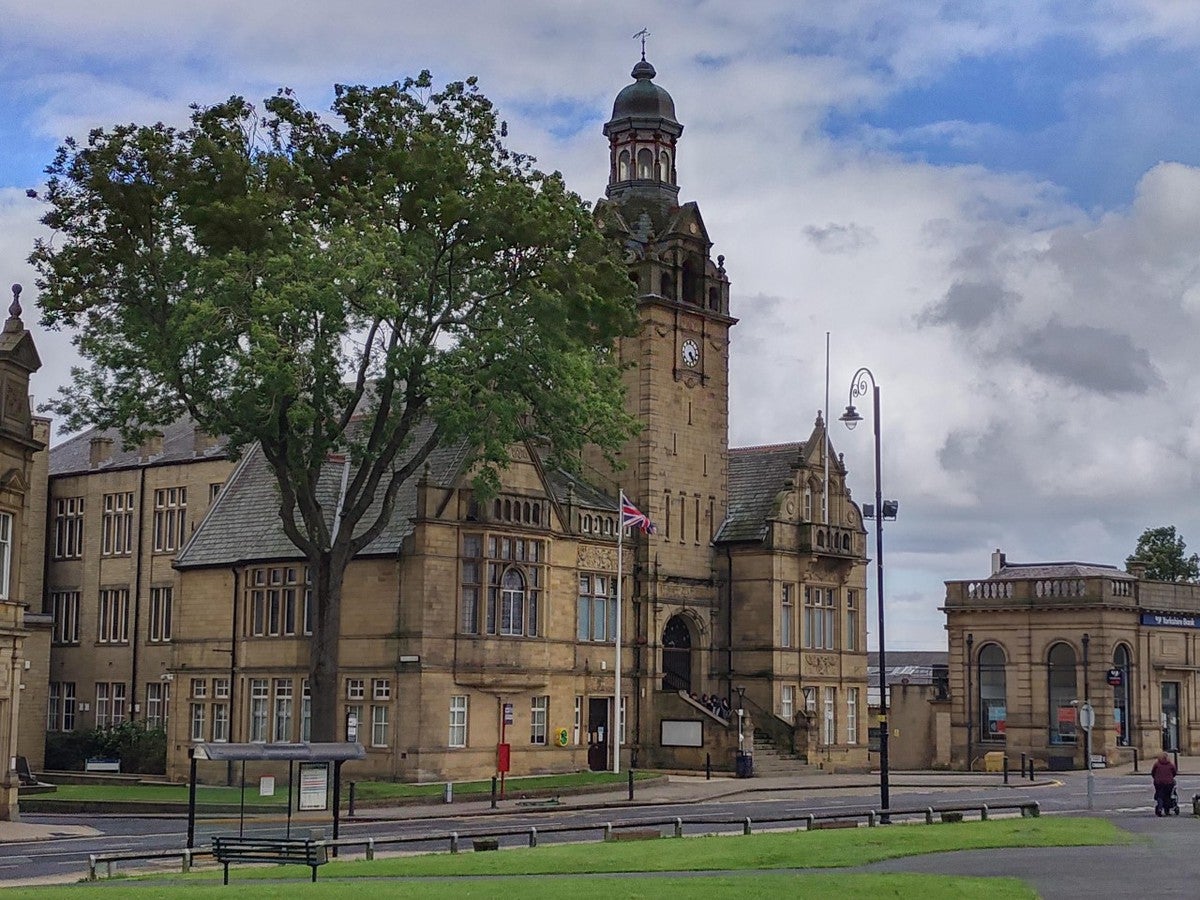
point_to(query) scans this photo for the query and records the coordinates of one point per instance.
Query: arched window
(498, 509)
(664, 166)
(1122, 708)
(1060, 666)
(846, 542)
(667, 286)
(807, 503)
(992, 706)
(623, 166)
(507, 510)
(714, 299)
(645, 164)
(512, 603)
(537, 514)
(693, 290)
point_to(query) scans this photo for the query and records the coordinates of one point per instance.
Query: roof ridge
(783, 446)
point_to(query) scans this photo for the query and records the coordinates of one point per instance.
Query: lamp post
(970, 697)
(851, 417)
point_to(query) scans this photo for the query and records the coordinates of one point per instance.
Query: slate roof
(73, 456)
(243, 524)
(562, 483)
(756, 476)
(1021, 571)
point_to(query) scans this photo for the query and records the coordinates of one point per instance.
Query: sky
(993, 206)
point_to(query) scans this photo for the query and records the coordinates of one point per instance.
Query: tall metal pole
(884, 795)
(858, 387)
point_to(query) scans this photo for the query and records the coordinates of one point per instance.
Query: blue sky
(994, 206)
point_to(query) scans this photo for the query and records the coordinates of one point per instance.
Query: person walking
(1162, 773)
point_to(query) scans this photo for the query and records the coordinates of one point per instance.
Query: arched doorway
(677, 655)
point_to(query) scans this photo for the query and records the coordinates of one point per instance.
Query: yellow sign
(561, 737)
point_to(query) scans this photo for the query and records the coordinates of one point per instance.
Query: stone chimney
(1136, 568)
(202, 441)
(152, 445)
(100, 450)
(998, 561)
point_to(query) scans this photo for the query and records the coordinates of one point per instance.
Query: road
(1115, 796)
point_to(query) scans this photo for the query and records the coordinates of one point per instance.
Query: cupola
(641, 135)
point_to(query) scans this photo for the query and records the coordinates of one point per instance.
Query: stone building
(469, 624)
(116, 517)
(1031, 642)
(22, 437)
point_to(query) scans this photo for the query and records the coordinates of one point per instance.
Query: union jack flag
(632, 517)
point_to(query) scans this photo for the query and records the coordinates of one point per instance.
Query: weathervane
(643, 34)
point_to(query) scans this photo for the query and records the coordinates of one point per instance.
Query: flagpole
(825, 434)
(617, 673)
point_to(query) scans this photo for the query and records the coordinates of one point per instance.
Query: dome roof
(644, 99)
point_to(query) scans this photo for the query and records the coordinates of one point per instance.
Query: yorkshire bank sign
(1167, 621)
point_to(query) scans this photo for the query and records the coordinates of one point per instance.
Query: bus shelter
(316, 761)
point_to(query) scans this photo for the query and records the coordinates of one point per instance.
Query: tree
(331, 289)
(1162, 552)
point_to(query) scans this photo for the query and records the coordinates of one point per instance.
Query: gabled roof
(73, 456)
(756, 476)
(243, 524)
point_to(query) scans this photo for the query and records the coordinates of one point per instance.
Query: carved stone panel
(820, 664)
(600, 559)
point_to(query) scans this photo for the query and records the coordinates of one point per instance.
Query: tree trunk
(327, 579)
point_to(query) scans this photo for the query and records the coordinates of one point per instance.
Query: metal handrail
(1028, 809)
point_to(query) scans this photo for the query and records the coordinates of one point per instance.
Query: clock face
(691, 354)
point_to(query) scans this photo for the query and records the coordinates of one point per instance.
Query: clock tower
(677, 381)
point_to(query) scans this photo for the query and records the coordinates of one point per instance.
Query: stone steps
(769, 760)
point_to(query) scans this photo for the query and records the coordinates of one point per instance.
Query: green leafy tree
(324, 288)
(1163, 554)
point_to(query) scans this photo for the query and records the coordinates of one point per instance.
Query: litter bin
(745, 765)
(993, 761)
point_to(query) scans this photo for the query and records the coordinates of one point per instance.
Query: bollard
(608, 831)
(350, 810)
(1135, 760)
(1022, 765)
(1196, 804)
(1031, 768)
(448, 796)
(870, 818)
(493, 792)
(746, 826)
(929, 815)
(187, 860)
(1006, 768)
(983, 813)
(1175, 754)
(708, 767)
(678, 827)
(91, 876)
(810, 822)
(631, 784)
(532, 836)
(454, 842)
(370, 854)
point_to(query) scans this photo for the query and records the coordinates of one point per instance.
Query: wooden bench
(269, 850)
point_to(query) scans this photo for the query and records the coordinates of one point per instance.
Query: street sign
(1116, 677)
(508, 713)
(1087, 717)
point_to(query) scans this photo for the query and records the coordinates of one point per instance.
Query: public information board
(314, 786)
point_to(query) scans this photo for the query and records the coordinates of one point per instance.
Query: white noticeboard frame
(314, 786)
(682, 733)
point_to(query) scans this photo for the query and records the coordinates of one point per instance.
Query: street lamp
(858, 388)
(741, 713)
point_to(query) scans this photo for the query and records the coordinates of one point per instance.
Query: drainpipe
(970, 691)
(234, 716)
(729, 624)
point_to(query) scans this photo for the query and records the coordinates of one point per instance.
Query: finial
(820, 421)
(721, 262)
(15, 309)
(643, 34)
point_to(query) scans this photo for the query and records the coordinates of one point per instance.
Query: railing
(746, 824)
(1040, 591)
(781, 732)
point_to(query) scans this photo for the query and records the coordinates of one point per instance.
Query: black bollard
(350, 811)
(1031, 768)
(1175, 754)
(493, 792)
(1022, 765)
(631, 784)
(708, 767)
(1135, 760)
(1006, 768)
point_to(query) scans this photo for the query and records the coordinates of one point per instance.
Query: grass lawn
(734, 887)
(779, 850)
(365, 790)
